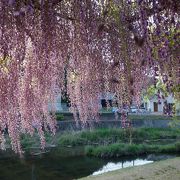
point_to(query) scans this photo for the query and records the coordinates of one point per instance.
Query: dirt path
(162, 170)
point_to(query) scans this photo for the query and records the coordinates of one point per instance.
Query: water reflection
(111, 166)
(33, 177)
(63, 164)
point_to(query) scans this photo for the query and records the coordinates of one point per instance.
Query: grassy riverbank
(111, 136)
(117, 150)
(111, 142)
(162, 170)
(106, 143)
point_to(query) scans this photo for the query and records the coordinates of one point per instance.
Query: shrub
(59, 117)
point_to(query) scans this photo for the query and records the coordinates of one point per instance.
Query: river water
(63, 163)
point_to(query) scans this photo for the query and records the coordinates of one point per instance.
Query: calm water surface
(61, 163)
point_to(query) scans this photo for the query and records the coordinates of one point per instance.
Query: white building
(155, 105)
(152, 105)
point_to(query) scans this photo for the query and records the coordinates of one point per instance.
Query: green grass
(116, 150)
(28, 141)
(110, 136)
(112, 142)
(115, 142)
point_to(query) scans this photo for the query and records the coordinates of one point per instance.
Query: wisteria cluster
(82, 47)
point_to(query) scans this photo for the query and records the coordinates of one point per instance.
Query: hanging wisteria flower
(103, 46)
